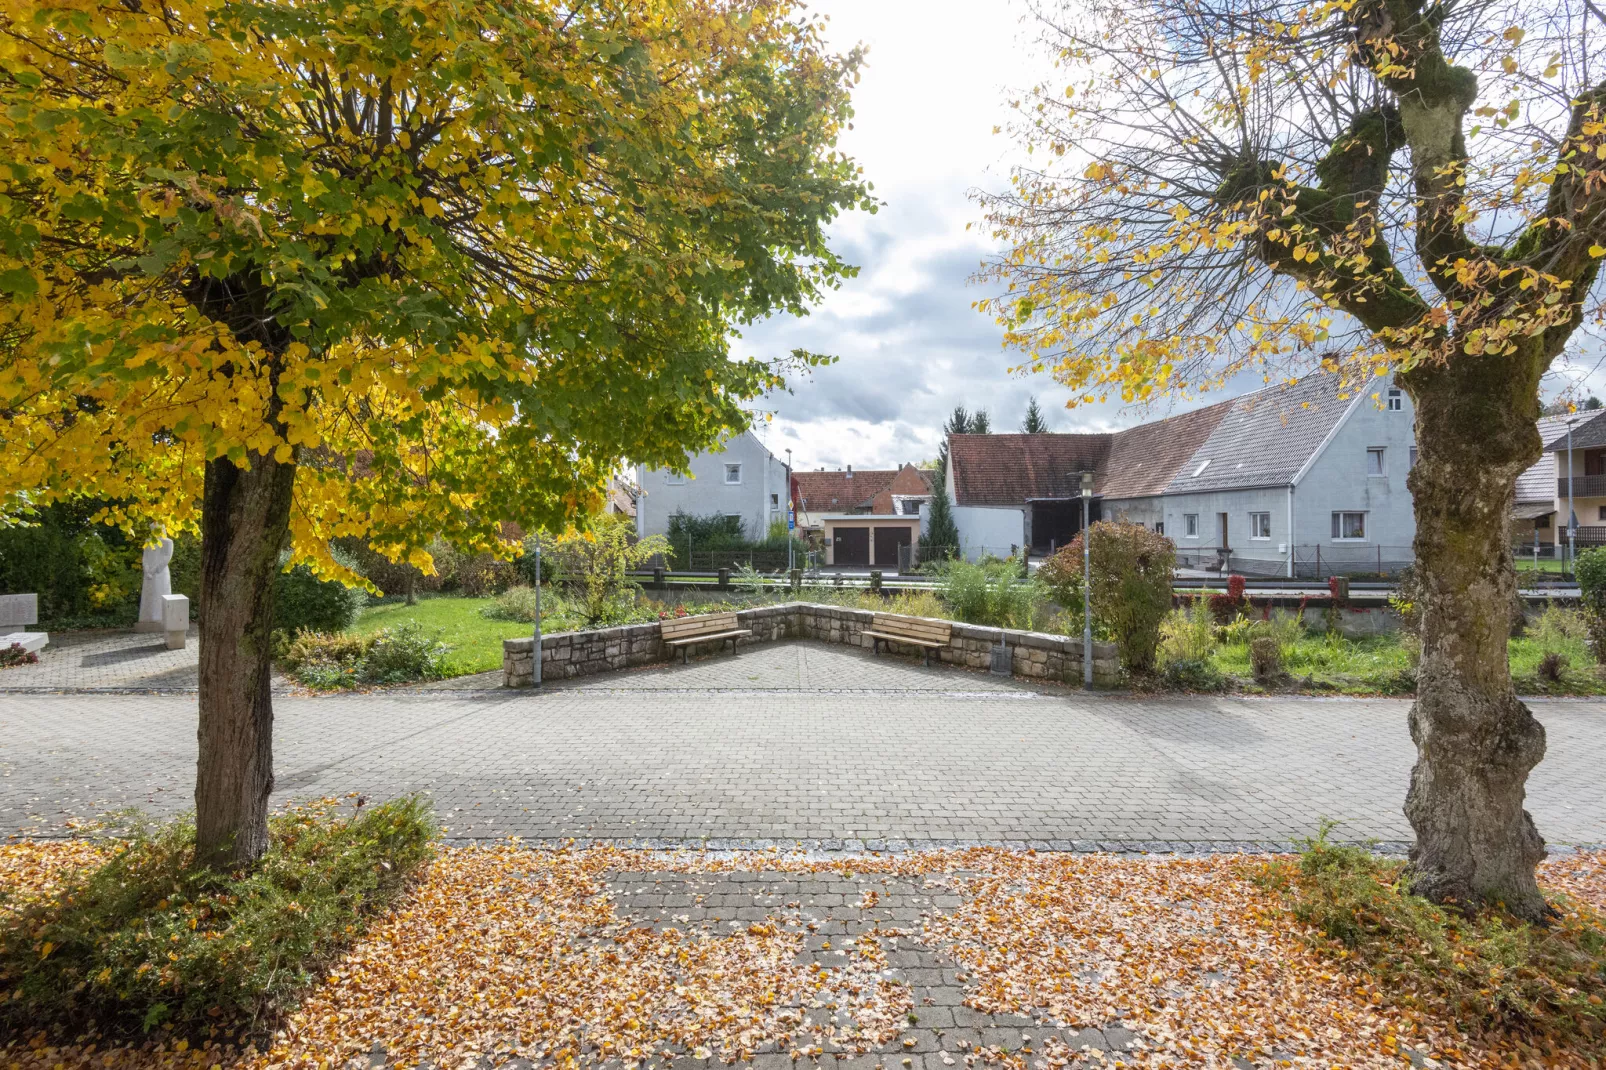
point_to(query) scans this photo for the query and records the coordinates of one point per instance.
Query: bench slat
(707, 637)
(708, 622)
(912, 640)
(891, 623)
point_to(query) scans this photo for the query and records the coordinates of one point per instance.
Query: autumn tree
(387, 269)
(1390, 187)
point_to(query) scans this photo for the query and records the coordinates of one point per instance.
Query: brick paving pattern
(111, 661)
(830, 910)
(799, 742)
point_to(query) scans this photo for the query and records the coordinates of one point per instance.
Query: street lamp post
(1572, 515)
(790, 506)
(1087, 583)
(536, 678)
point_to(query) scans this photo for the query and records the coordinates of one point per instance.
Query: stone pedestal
(155, 585)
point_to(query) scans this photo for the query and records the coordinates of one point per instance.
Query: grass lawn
(1377, 664)
(476, 640)
(1543, 564)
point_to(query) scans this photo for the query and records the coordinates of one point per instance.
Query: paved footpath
(797, 741)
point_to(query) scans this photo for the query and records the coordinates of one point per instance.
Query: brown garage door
(852, 546)
(887, 541)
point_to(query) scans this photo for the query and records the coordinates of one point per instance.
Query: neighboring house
(741, 479)
(1539, 512)
(1534, 513)
(1284, 481)
(863, 517)
(621, 499)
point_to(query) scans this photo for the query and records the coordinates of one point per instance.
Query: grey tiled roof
(1266, 437)
(1538, 484)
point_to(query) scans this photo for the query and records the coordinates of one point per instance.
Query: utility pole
(791, 514)
(1087, 583)
(537, 676)
(1572, 515)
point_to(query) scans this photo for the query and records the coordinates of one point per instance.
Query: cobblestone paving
(893, 755)
(831, 910)
(111, 661)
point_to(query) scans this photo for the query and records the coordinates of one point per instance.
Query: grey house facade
(740, 479)
(1291, 480)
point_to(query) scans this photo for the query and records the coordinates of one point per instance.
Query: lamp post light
(1087, 583)
(536, 677)
(1572, 515)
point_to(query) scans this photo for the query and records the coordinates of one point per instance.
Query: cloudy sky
(910, 346)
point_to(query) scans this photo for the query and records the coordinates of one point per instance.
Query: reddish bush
(1223, 607)
(1235, 588)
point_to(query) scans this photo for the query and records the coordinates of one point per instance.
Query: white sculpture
(156, 585)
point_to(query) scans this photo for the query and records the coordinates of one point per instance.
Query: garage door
(852, 546)
(887, 541)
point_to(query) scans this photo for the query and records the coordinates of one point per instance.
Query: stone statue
(156, 583)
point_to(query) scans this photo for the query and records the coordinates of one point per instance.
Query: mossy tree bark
(1476, 741)
(245, 523)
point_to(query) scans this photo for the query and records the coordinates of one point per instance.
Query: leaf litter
(503, 951)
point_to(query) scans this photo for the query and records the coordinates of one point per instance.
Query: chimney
(850, 471)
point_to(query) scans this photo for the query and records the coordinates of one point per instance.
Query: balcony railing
(1582, 487)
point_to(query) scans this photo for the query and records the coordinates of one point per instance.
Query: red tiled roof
(835, 492)
(1144, 459)
(1015, 468)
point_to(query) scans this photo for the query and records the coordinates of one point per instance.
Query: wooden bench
(929, 635)
(687, 632)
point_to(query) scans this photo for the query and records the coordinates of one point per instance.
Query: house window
(1159, 527)
(733, 474)
(775, 500)
(1412, 459)
(1374, 462)
(1542, 523)
(911, 508)
(1602, 515)
(1349, 525)
(674, 479)
(1190, 525)
(1396, 400)
(1260, 525)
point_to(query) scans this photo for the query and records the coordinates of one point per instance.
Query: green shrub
(303, 602)
(407, 652)
(145, 940)
(991, 594)
(516, 604)
(1062, 575)
(1133, 572)
(87, 575)
(1265, 658)
(1188, 635)
(1487, 971)
(397, 655)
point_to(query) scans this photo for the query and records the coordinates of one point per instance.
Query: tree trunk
(411, 577)
(244, 523)
(1476, 743)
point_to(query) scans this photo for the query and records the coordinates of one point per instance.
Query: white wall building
(1286, 481)
(740, 479)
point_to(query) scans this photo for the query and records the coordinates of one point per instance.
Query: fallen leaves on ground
(506, 951)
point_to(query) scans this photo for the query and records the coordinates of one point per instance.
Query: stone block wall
(1033, 655)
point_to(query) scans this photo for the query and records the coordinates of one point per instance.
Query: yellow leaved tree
(285, 272)
(1383, 187)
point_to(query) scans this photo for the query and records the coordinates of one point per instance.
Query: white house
(739, 479)
(1285, 481)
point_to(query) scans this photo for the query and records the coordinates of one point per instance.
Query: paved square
(798, 742)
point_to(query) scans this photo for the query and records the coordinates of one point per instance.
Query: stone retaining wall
(1034, 655)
